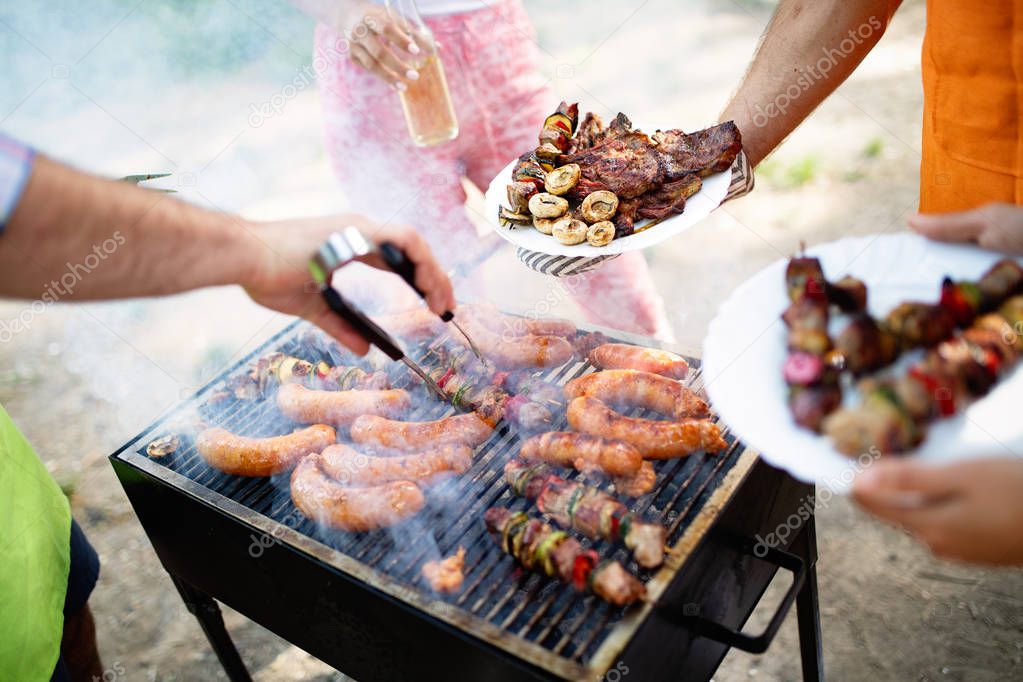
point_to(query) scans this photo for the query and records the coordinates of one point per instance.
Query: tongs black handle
(399, 263)
(367, 328)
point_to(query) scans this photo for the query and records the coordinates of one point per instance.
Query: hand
(998, 227)
(384, 48)
(970, 511)
(281, 280)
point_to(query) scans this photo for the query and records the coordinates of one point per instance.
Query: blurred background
(220, 95)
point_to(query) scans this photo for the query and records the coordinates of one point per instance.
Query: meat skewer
(895, 411)
(595, 514)
(538, 547)
(582, 452)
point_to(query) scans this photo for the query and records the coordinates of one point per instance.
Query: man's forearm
(77, 236)
(808, 50)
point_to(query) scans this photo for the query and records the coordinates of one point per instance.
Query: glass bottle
(429, 112)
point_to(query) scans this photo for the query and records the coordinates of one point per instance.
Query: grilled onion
(509, 218)
(600, 205)
(561, 180)
(569, 231)
(544, 205)
(544, 225)
(600, 234)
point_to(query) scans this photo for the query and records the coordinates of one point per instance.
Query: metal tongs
(348, 245)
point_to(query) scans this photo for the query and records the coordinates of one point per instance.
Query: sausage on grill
(654, 439)
(340, 408)
(348, 466)
(632, 388)
(583, 452)
(509, 351)
(624, 356)
(234, 454)
(513, 325)
(459, 429)
(326, 501)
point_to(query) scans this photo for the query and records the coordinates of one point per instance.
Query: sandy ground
(84, 379)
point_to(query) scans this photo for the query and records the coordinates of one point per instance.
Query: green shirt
(35, 532)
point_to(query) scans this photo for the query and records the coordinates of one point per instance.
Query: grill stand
(808, 613)
(207, 612)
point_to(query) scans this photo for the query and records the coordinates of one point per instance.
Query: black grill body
(356, 601)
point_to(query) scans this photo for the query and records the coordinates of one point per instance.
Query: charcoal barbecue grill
(358, 602)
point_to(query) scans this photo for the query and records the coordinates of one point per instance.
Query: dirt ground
(84, 379)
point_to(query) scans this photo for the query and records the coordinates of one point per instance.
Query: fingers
(965, 226)
(361, 55)
(395, 35)
(430, 276)
(897, 490)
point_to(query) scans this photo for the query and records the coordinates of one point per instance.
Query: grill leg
(808, 608)
(206, 610)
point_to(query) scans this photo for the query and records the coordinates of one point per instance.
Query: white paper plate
(698, 207)
(745, 349)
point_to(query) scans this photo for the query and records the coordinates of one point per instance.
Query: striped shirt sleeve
(15, 167)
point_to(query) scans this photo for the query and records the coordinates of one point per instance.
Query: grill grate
(526, 605)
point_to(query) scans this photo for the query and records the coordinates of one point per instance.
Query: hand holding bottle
(385, 48)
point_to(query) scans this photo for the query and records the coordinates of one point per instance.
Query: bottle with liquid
(429, 112)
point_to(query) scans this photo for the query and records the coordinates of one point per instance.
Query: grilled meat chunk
(704, 152)
(628, 164)
(670, 198)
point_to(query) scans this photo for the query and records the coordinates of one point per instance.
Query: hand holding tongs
(342, 248)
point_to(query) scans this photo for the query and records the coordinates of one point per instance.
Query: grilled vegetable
(569, 231)
(546, 156)
(544, 225)
(538, 547)
(556, 137)
(509, 218)
(601, 233)
(588, 510)
(562, 179)
(599, 206)
(544, 205)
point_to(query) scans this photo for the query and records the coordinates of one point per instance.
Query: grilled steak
(669, 198)
(628, 164)
(704, 152)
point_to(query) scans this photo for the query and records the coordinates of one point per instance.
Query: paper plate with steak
(596, 189)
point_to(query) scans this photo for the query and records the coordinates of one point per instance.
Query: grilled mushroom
(561, 180)
(161, 447)
(509, 218)
(569, 231)
(600, 234)
(544, 205)
(599, 205)
(544, 225)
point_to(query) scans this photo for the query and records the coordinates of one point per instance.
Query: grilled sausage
(513, 325)
(234, 454)
(460, 429)
(582, 452)
(348, 466)
(327, 502)
(509, 352)
(624, 356)
(340, 408)
(654, 439)
(640, 483)
(631, 388)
